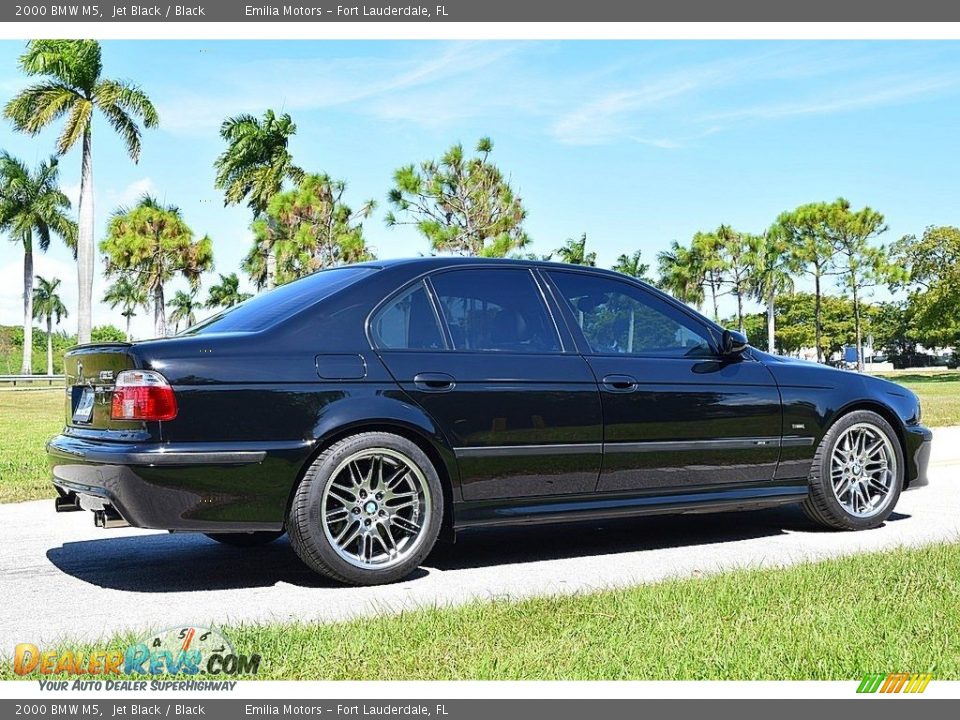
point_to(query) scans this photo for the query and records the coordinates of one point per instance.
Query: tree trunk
(856, 324)
(817, 323)
(713, 295)
(85, 243)
(771, 321)
(49, 345)
(26, 366)
(159, 313)
(740, 312)
(128, 327)
(271, 263)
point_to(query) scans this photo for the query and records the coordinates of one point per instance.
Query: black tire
(822, 504)
(306, 521)
(246, 540)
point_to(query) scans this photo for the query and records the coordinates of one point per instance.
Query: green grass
(835, 620)
(28, 418)
(939, 395)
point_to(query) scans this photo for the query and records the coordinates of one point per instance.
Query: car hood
(817, 373)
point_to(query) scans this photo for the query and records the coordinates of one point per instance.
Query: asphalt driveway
(63, 578)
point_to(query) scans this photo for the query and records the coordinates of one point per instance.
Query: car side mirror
(733, 343)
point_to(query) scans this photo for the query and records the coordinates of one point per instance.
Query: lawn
(939, 393)
(835, 620)
(28, 418)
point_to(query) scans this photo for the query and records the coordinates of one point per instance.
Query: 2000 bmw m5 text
(368, 410)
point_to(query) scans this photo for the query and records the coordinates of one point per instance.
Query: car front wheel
(368, 510)
(857, 473)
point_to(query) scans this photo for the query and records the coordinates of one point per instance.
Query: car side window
(495, 310)
(408, 322)
(618, 318)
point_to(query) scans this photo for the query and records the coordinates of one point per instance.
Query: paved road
(63, 578)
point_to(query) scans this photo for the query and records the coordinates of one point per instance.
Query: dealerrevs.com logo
(183, 651)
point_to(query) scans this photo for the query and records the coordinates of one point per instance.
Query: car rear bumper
(918, 440)
(176, 487)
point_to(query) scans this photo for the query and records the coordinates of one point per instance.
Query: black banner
(578, 11)
(224, 709)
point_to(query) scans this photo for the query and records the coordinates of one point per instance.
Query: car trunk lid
(91, 372)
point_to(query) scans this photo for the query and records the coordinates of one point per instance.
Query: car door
(479, 350)
(676, 414)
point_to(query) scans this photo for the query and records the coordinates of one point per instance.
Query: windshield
(262, 311)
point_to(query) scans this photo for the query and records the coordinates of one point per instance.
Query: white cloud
(627, 110)
(72, 191)
(309, 84)
(11, 284)
(676, 108)
(131, 194)
(12, 85)
(887, 91)
(613, 114)
(662, 143)
(57, 264)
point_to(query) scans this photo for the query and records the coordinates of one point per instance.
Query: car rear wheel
(857, 473)
(250, 539)
(368, 510)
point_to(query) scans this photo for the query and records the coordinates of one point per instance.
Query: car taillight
(142, 395)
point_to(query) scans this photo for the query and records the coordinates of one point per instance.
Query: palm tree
(681, 273)
(773, 276)
(47, 305)
(32, 207)
(632, 266)
(257, 159)
(185, 306)
(151, 243)
(73, 86)
(255, 165)
(575, 252)
(128, 295)
(227, 293)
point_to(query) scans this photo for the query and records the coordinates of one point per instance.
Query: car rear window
(262, 311)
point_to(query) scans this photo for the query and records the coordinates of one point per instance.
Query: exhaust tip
(108, 518)
(67, 503)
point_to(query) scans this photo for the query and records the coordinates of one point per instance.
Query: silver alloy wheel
(376, 505)
(863, 470)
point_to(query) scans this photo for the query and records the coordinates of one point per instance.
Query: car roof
(415, 266)
(433, 262)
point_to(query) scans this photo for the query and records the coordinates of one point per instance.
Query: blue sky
(636, 143)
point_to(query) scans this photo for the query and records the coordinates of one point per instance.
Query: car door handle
(619, 383)
(434, 381)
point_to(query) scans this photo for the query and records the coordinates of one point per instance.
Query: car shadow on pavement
(164, 563)
(481, 548)
(184, 562)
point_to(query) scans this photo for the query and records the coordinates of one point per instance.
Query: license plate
(84, 411)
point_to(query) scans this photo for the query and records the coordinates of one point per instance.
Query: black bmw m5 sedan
(368, 410)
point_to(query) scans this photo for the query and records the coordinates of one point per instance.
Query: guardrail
(14, 380)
